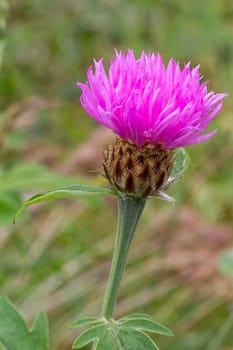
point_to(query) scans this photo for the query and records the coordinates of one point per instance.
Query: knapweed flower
(153, 109)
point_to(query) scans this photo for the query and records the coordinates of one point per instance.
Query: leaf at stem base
(127, 333)
(14, 333)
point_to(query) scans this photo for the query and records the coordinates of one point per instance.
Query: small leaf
(135, 316)
(225, 262)
(109, 340)
(14, 333)
(89, 336)
(85, 321)
(126, 334)
(146, 324)
(135, 340)
(40, 332)
(73, 191)
(180, 164)
(13, 329)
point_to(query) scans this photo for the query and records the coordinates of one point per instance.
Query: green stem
(129, 212)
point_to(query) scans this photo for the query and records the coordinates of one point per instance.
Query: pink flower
(142, 100)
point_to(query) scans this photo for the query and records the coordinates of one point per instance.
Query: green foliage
(90, 335)
(85, 321)
(127, 333)
(180, 163)
(135, 339)
(14, 333)
(145, 323)
(74, 191)
(225, 263)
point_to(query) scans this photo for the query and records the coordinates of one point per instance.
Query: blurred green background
(57, 255)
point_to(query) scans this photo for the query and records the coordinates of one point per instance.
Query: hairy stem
(129, 212)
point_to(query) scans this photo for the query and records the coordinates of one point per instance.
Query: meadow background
(57, 255)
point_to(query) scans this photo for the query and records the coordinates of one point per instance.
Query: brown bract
(137, 171)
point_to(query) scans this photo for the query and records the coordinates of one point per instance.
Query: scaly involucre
(141, 100)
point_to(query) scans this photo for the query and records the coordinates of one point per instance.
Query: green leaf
(128, 333)
(89, 336)
(225, 262)
(180, 163)
(135, 316)
(146, 324)
(73, 191)
(135, 340)
(109, 340)
(85, 321)
(102, 334)
(14, 333)
(40, 332)
(13, 329)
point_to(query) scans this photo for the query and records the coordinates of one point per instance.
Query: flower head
(141, 100)
(153, 109)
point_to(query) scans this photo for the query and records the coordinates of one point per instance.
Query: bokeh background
(57, 255)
